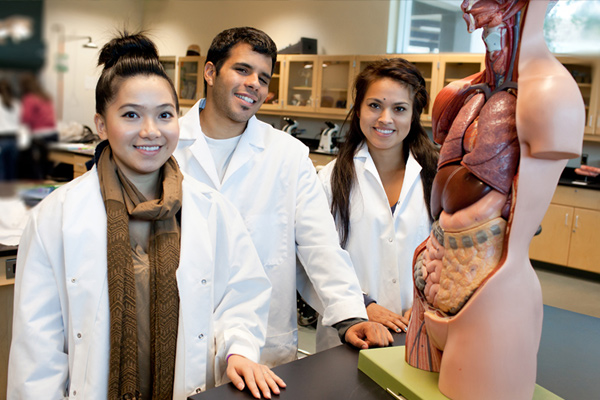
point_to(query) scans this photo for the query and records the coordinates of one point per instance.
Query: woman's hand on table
(389, 319)
(259, 378)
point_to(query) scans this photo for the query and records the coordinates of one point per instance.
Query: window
(432, 26)
(573, 26)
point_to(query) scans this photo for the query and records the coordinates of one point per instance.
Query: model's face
(141, 125)
(241, 85)
(386, 115)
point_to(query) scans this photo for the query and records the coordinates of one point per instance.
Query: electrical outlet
(11, 266)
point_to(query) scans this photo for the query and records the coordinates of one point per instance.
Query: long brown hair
(417, 142)
(6, 94)
(31, 85)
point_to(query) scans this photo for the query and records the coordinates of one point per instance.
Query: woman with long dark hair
(379, 188)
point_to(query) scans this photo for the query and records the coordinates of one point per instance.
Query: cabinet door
(428, 66)
(169, 63)
(301, 83)
(363, 61)
(334, 83)
(585, 241)
(453, 67)
(191, 80)
(275, 98)
(552, 244)
(587, 75)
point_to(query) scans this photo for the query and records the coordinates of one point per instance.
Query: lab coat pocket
(270, 237)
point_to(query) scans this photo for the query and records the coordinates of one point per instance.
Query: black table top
(568, 365)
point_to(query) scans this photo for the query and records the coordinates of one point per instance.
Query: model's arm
(38, 363)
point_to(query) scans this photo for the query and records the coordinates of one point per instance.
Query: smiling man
(270, 178)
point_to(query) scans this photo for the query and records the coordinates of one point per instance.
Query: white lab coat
(272, 182)
(381, 244)
(61, 339)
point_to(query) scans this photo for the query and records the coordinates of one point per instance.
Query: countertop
(570, 178)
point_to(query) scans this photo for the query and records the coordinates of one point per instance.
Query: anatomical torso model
(506, 135)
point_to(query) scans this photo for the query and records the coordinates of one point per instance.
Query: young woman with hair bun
(135, 281)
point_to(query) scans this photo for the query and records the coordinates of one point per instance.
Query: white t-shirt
(222, 150)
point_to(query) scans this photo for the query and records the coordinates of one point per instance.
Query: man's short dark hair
(221, 46)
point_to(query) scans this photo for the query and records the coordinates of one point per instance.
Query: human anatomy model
(506, 134)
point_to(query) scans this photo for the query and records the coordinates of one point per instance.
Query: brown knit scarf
(122, 201)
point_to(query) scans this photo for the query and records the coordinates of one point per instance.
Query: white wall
(99, 19)
(341, 27)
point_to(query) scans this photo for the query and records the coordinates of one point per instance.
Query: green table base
(387, 367)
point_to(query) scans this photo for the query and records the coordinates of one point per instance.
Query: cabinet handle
(577, 221)
(566, 219)
(591, 121)
(597, 123)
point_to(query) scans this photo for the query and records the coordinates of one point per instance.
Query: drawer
(576, 197)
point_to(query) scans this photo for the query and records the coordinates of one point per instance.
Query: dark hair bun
(127, 46)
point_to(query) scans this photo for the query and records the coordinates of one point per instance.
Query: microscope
(326, 141)
(291, 126)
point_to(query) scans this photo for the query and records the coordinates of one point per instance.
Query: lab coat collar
(412, 172)
(251, 142)
(191, 130)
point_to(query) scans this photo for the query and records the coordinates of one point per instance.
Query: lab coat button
(74, 392)
(391, 239)
(73, 280)
(203, 281)
(394, 280)
(201, 336)
(78, 335)
(198, 390)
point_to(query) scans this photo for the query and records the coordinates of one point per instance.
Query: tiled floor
(558, 290)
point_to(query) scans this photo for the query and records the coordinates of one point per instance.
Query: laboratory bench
(568, 362)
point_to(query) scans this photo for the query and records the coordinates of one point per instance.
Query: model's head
(222, 44)
(489, 13)
(136, 106)
(400, 74)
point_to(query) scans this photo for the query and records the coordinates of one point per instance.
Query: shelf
(591, 138)
(302, 88)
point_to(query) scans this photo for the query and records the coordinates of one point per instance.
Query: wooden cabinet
(570, 234)
(552, 244)
(430, 69)
(169, 63)
(310, 85)
(335, 75)
(453, 67)
(301, 83)
(190, 86)
(321, 86)
(6, 317)
(276, 95)
(586, 72)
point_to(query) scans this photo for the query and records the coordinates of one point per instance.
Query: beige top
(141, 266)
